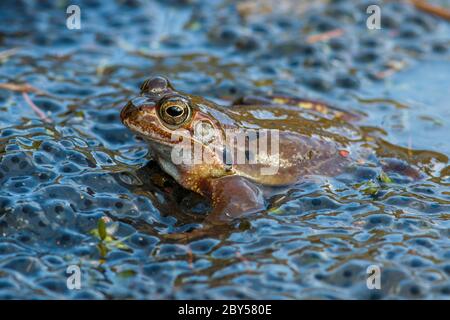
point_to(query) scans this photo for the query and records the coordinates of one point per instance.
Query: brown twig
(438, 11)
(35, 108)
(393, 67)
(22, 88)
(325, 36)
(8, 53)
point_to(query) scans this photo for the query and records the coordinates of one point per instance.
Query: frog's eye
(155, 86)
(174, 112)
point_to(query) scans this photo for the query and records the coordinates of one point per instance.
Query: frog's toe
(190, 236)
(179, 237)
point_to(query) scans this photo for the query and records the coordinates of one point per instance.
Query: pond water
(60, 177)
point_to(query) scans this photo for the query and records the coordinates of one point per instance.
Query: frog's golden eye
(175, 112)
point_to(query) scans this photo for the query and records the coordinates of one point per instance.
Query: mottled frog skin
(314, 140)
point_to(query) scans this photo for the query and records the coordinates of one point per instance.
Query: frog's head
(165, 118)
(157, 112)
(160, 111)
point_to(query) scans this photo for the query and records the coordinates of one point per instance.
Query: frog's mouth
(150, 132)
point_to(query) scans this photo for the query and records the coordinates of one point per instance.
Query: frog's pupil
(174, 111)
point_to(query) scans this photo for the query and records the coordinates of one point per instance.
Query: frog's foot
(185, 236)
(214, 231)
(401, 167)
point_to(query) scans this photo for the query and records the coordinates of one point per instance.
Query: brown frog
(231, 155)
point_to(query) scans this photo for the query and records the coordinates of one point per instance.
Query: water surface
(59, 178)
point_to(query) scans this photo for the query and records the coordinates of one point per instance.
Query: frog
(276, 141)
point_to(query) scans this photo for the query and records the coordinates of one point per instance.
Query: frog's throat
(170, 168)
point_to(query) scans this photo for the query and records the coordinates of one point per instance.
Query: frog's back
(315, 120)
(296, 157)
(308, 141)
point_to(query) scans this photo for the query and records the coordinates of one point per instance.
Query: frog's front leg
(232, 197)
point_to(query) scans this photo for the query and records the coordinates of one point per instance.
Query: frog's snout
(127, 111)
(135, 108)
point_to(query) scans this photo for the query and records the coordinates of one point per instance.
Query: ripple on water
(58, 179)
